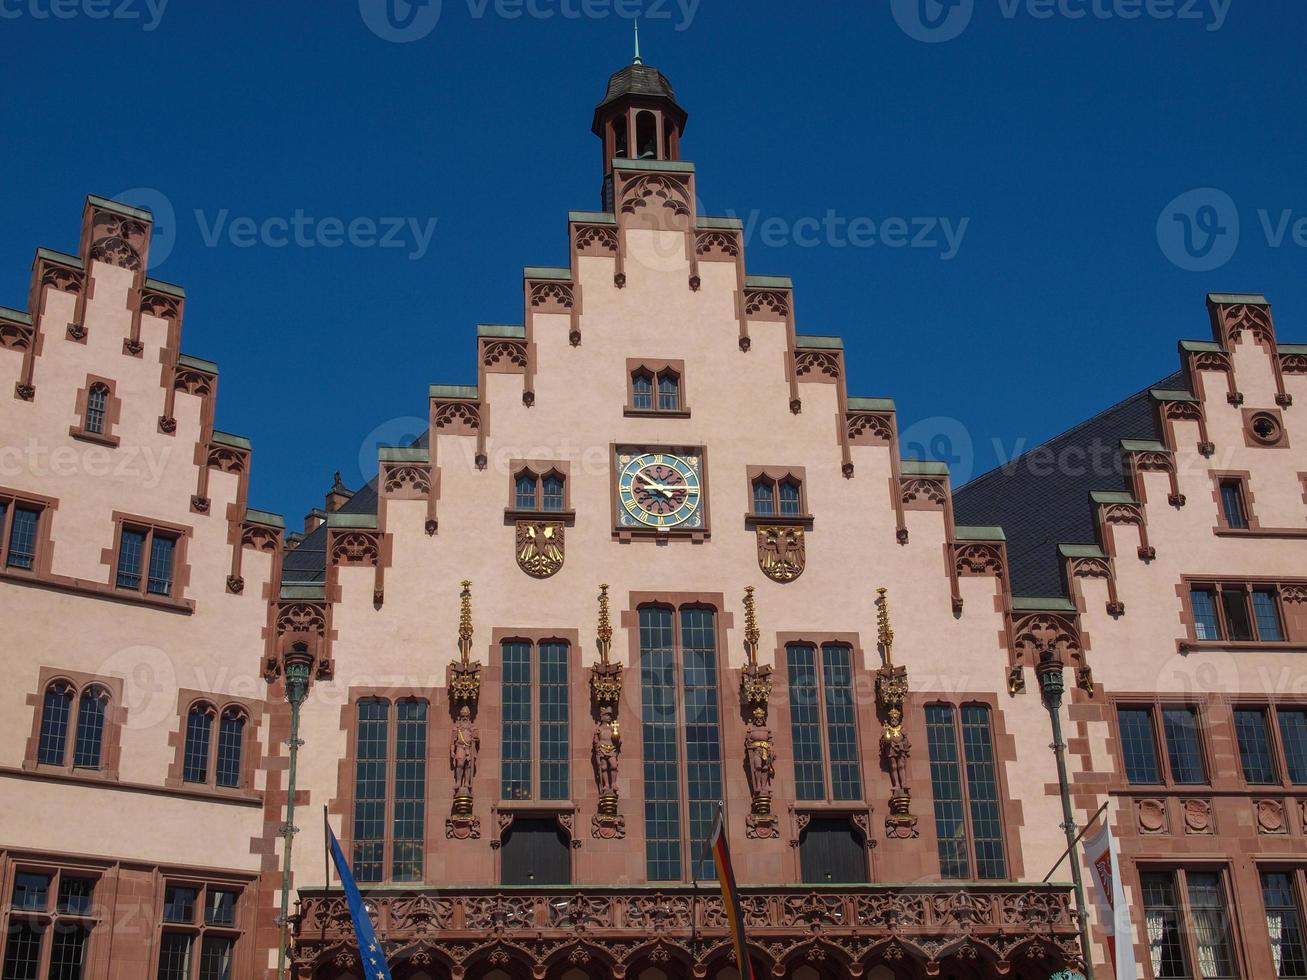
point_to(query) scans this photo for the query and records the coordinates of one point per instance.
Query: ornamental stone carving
(781, 552)
(657, 190)
(540, 547)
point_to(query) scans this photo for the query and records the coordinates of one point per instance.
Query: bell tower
(638, 119)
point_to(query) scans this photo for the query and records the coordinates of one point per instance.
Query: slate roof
(308, 562)
(638, 80)
(1041, 498)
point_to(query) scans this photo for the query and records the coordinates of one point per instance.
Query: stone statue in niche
(894, 743)
(761, 759)
(606, 748)
(463, 749)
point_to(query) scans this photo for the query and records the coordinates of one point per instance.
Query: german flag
(721, 852)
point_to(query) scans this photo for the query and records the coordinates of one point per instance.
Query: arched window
(762, 498)
(97, 398)
(199, 736)
(642, 390)
(525, 491)
(619, 137)
(646, 136)
(552, 492)
(789, 490)
(89, 745)
(669, 391)
(54, 724)
(231, 739)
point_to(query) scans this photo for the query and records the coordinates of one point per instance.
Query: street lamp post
(297, 667)
(1052, 686)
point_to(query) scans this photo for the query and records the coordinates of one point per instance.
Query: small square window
(75, 895)
(179, 903)
(219, 907)
(32, 891)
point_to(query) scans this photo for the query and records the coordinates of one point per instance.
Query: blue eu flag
(373, 958)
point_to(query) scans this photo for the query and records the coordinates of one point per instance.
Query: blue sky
(1050, 139)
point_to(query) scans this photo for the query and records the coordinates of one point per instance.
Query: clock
(660, 489)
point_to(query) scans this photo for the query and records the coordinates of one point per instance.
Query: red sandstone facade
(675, 518)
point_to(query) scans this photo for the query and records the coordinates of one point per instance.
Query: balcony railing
(1010, 929)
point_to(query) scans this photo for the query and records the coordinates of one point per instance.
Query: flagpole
(1080, 835)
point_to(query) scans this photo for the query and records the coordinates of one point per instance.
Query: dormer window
(655, 388)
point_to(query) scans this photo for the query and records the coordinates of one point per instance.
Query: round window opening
(1266, 428)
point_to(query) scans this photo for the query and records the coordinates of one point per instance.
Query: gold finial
(751, 633)
(605, 625)
(465, 621)
(885, 631)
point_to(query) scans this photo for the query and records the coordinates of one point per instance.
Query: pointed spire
(637, 60)
(605, 625)
(751, 634)
(884, 630)
(465, 622)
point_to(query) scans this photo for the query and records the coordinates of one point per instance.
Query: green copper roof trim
(592, 217)
(860, 404)
(159, 286)
(199, 363)
(264, 517)
(515, 330)
(318, 512)
(811, 341)
(452, 391)
(304, 590)
(546, 272)
(1081, 551)
(769, 282)
(923, 467)
(964, 532)
(1293, 348)
(668, 166)
(1034, 603)
(62, 257)
(1143, 446)
(1199, 345)
(1111, 497)
(18, 316)
(1246, 299)
(404, 454)
(119, 207)
(1164, 395)
(227, 439)
(365, 521)
(710, 222)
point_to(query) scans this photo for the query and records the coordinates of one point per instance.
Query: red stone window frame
(775, 476)
(1155, 705)
(1180, 887)
(1263, 428)
(1270, 709)
(1009, 813)
(220, 705)
(1239, 480)
(347, 770)
(656, 371)
(180, 535)
(1292, 622)
(54, 917)
(12, 501)
(115, 715)
(538, 470)
(112, 412)
(199, 927)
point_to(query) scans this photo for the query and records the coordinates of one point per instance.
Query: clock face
(659, 490)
